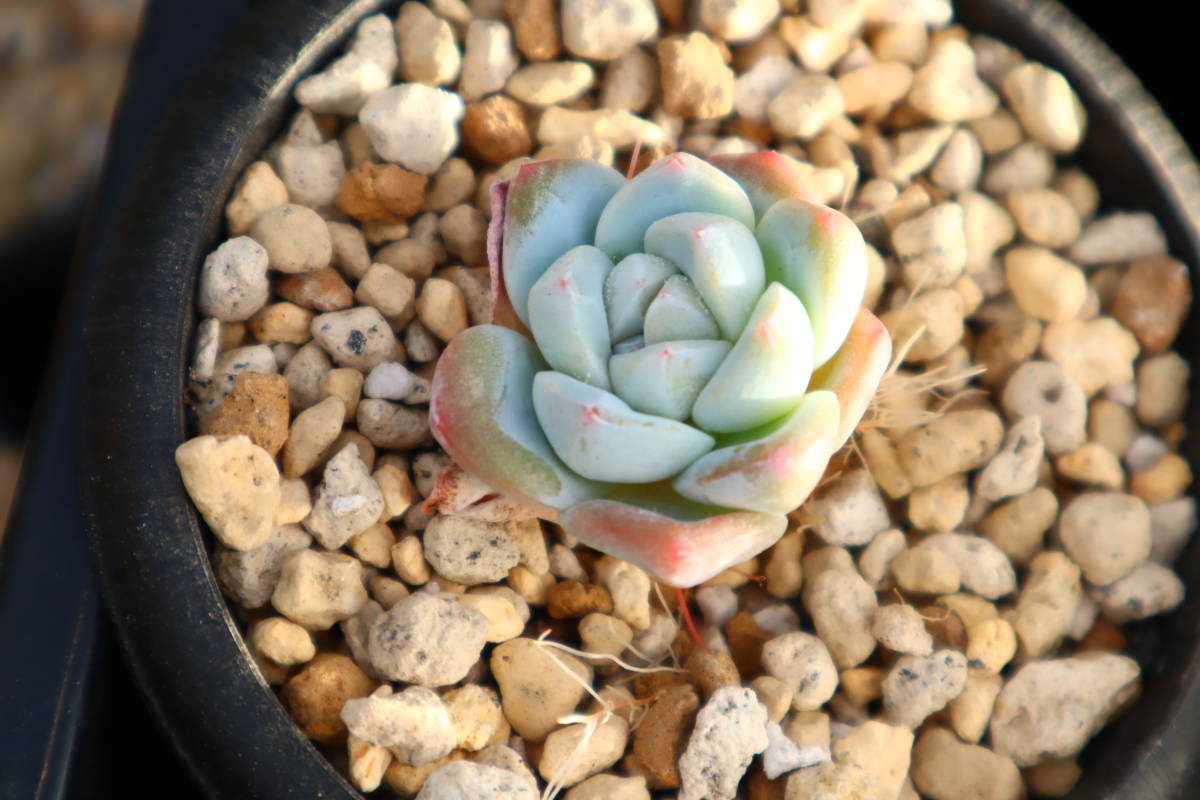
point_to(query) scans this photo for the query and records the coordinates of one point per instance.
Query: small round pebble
(1043, 389)
(316, 695)
(602, 30)
(948, 769)
(1106, 533)
(295, 238)
(900, 629)
(233, 281)
(803, 663)
(537, 685)
(317, 589)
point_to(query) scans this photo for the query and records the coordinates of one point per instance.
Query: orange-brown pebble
(760, 787)
(1152, 300)
(650, 683)
(535, 28)
(571, 599)
(316, 694)
(746, 641)
(1104, 636)
(323, 290)
(257, 406)
(374, 192)
(712, 670)
(494, 130)
(662, 734)
(1166, 480)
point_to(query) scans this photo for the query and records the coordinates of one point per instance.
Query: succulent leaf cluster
(691, 350)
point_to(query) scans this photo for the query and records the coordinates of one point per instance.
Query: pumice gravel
(942, 619)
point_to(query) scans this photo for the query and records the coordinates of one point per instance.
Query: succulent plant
(697, 350)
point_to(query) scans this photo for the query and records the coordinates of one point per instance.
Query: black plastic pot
(180, 639)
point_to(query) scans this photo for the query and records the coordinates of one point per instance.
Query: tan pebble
(368, 763)
(282, 641)
(391, 426)
(696, 82)
(373, 192)
(1152, 300)
(453, 183)
(407, 780)
(475, 713)
(1096, 353)
(941, 506)
(991, 644)
(316, 694)
(815, 46)
(998, 132)
(344, 383)
(386, 591)
(475, 283)
(906, 42)
(774, 694)
(323, 290)
(1044, 216)
(879, 751)
(629, 586)
(1106, 533)
(960, 164)
(1078, 187)
(428, 52)
(412, 257)
(942, 765)
(408, 559)
(932, 246)
(257, 191)
(503, 620)
(970, 608)
(464, 229)
(295, 238)
(783, 571)
(488, 58)
(442, 308)
(805, 106)
(1045, 286)
(578, 751)
(349, 249)
(549, 82)
(1018, 526)
(630, 82)
(494, 130)
(1166, 480)
(879, 84)
(660, 737)
(1025, 166)
(397, 488)
(884, 463)
(861, 685)
(572, 599)
(1048, 108)
(256, 406)
(317, 589)
(374, 545)
(925, 570)
(234, 484)
(1054, 778)
(1111, 425)
(603, 633)
(294, 502)
(282, 322)
(312, 435)
(535, 28)
(874, 563)
(947, 88)
(970, 712)
(531, 586)
(1092, 464)
(955, 442)
(711, 670)
(1162, 389)
(389, 291)
(536, 687)
(987, 226)
(939, 312)
(607, 786)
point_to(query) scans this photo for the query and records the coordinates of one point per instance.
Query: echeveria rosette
(697, 351)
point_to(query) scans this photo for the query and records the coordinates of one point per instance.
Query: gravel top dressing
(942, 617)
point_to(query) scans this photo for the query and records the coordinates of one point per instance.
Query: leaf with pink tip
(767, 178)
(678, 312)
(550, 207)
(675, 184)
(820, 255)
(629, 290)
(771, 469)
(665, 378)
(678, 542)
(567, 315)
(481, 412)
(767, 371)
(855, 370)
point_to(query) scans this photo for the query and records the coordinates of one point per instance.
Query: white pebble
(850, 511)
(918, 686)
(427, 640)
(1048, 108)
(718, 604)
(983, 567)
(488, 60)
(470, 551)
(783, 755)
(755, 88)
(932, 247)
(357, 337)
(1042, 389)
(368, 65)
(389, 380)
(1120, 236)
(249, 576)
(233, 281)
(312, 173)
(803, 663)
(1050, 709)
(804, 107)
(1014, 468)
(413, 723)
(730, 730)
(1106, 533)
(347, 502)
(413, 125)
(544, 83)
(900, 628)
(737, 20)
(465, 780)
(1150, 589)
(602, 30)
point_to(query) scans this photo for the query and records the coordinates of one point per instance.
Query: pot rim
(179, 637)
